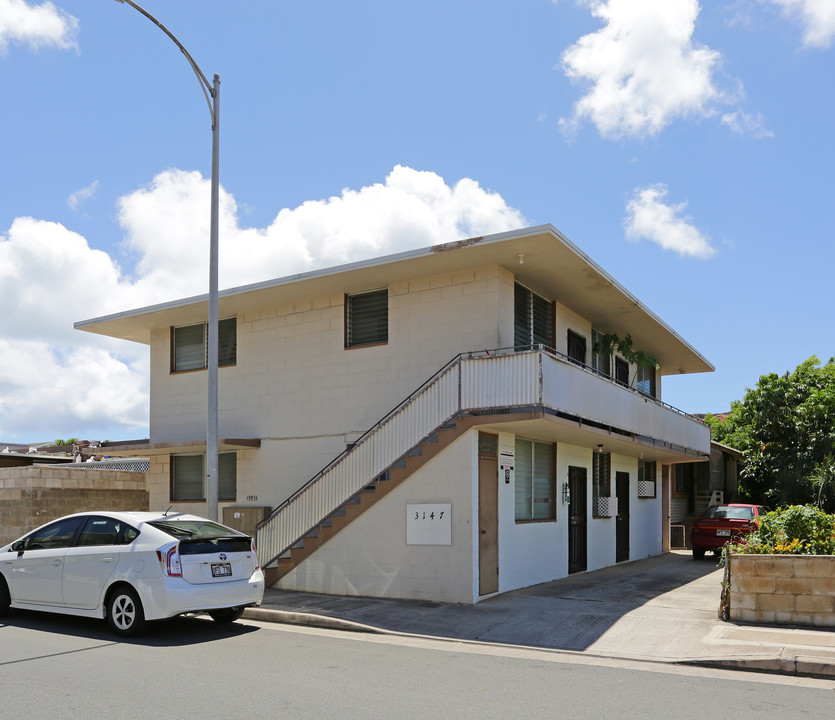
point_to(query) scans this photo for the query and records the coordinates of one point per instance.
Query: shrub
(793, 530)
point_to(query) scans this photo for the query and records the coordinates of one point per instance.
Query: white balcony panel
(500, 381)
(573, 390)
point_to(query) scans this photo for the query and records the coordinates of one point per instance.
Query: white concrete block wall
(298, 389)
(370, 557)
(530, 552)
(645, 520)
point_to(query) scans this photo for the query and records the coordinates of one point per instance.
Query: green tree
(785, 428)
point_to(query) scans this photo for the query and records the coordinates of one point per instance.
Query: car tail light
(255, 556)
(169, 559)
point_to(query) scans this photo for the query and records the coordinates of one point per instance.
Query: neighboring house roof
(552, 265)
(726, 448)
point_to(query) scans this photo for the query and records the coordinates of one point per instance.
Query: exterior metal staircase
(440, 410)
(372, 493)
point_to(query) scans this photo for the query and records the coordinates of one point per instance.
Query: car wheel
(698, 553)
(124, 612)
(5, 597)
(226, 615)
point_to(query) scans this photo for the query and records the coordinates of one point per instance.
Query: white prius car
(130, 568)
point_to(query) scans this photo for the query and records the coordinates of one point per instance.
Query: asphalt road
(57, 667)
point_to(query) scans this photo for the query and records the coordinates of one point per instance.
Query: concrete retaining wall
(32, 496)
(783, 589)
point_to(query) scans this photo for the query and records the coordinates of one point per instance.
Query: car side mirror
(17, 547)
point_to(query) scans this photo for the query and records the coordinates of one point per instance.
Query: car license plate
(221, 569)
(723, 533)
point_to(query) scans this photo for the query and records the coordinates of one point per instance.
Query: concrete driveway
(662, 609)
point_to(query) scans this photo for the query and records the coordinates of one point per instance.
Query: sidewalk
(661, 609)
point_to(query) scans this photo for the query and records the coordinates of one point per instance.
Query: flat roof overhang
(548, 427)
(177, 448)
(553, 266)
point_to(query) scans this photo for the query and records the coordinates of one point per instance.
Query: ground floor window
(646, 479)
(535, 485)
(188, 477)
(601, 483)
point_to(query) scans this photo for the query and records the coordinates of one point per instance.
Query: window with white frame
(535, 483)
(188, 477)
(533, 322)
(189, 345)
(367, 318)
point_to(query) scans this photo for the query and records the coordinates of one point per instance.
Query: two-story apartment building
(439, 424)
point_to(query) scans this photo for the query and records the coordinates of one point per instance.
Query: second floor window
(576, 348)
(645, 381)
(599, 358)
(532, 319)
(367, 318)
(188, 345)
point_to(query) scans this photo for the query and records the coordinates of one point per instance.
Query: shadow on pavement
(568, 614)
(179, 631)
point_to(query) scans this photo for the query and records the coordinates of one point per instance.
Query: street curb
(795, 665)
(297, 618)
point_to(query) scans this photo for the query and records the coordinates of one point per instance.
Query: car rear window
(204, 536)
(205, 546)
(194, 528)
(734, 513)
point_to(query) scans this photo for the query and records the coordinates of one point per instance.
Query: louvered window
(533, 319)
(367, 318)
(188, 475)
(534, 480)
(189, 345)
(576, 348)
(601, 479)
(646, 380)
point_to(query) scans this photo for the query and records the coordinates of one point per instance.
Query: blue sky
(686, 147)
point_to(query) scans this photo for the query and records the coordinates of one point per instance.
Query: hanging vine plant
(607, 344)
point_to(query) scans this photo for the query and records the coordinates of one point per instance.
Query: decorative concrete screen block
(646, 489)
(607, 506)
(783, 589)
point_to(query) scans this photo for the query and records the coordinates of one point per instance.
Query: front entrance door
(622, 520)
(577, 520)
(488, 524)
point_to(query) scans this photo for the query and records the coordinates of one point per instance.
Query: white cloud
(744, 123)
(59, 382)
(38, 26)
(816, 16)
(643, 67)
(167, 224)
(85, 193)
(648, 217)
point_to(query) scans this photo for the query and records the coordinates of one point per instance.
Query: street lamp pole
(212, 95)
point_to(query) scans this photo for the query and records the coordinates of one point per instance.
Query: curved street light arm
(205, 85)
